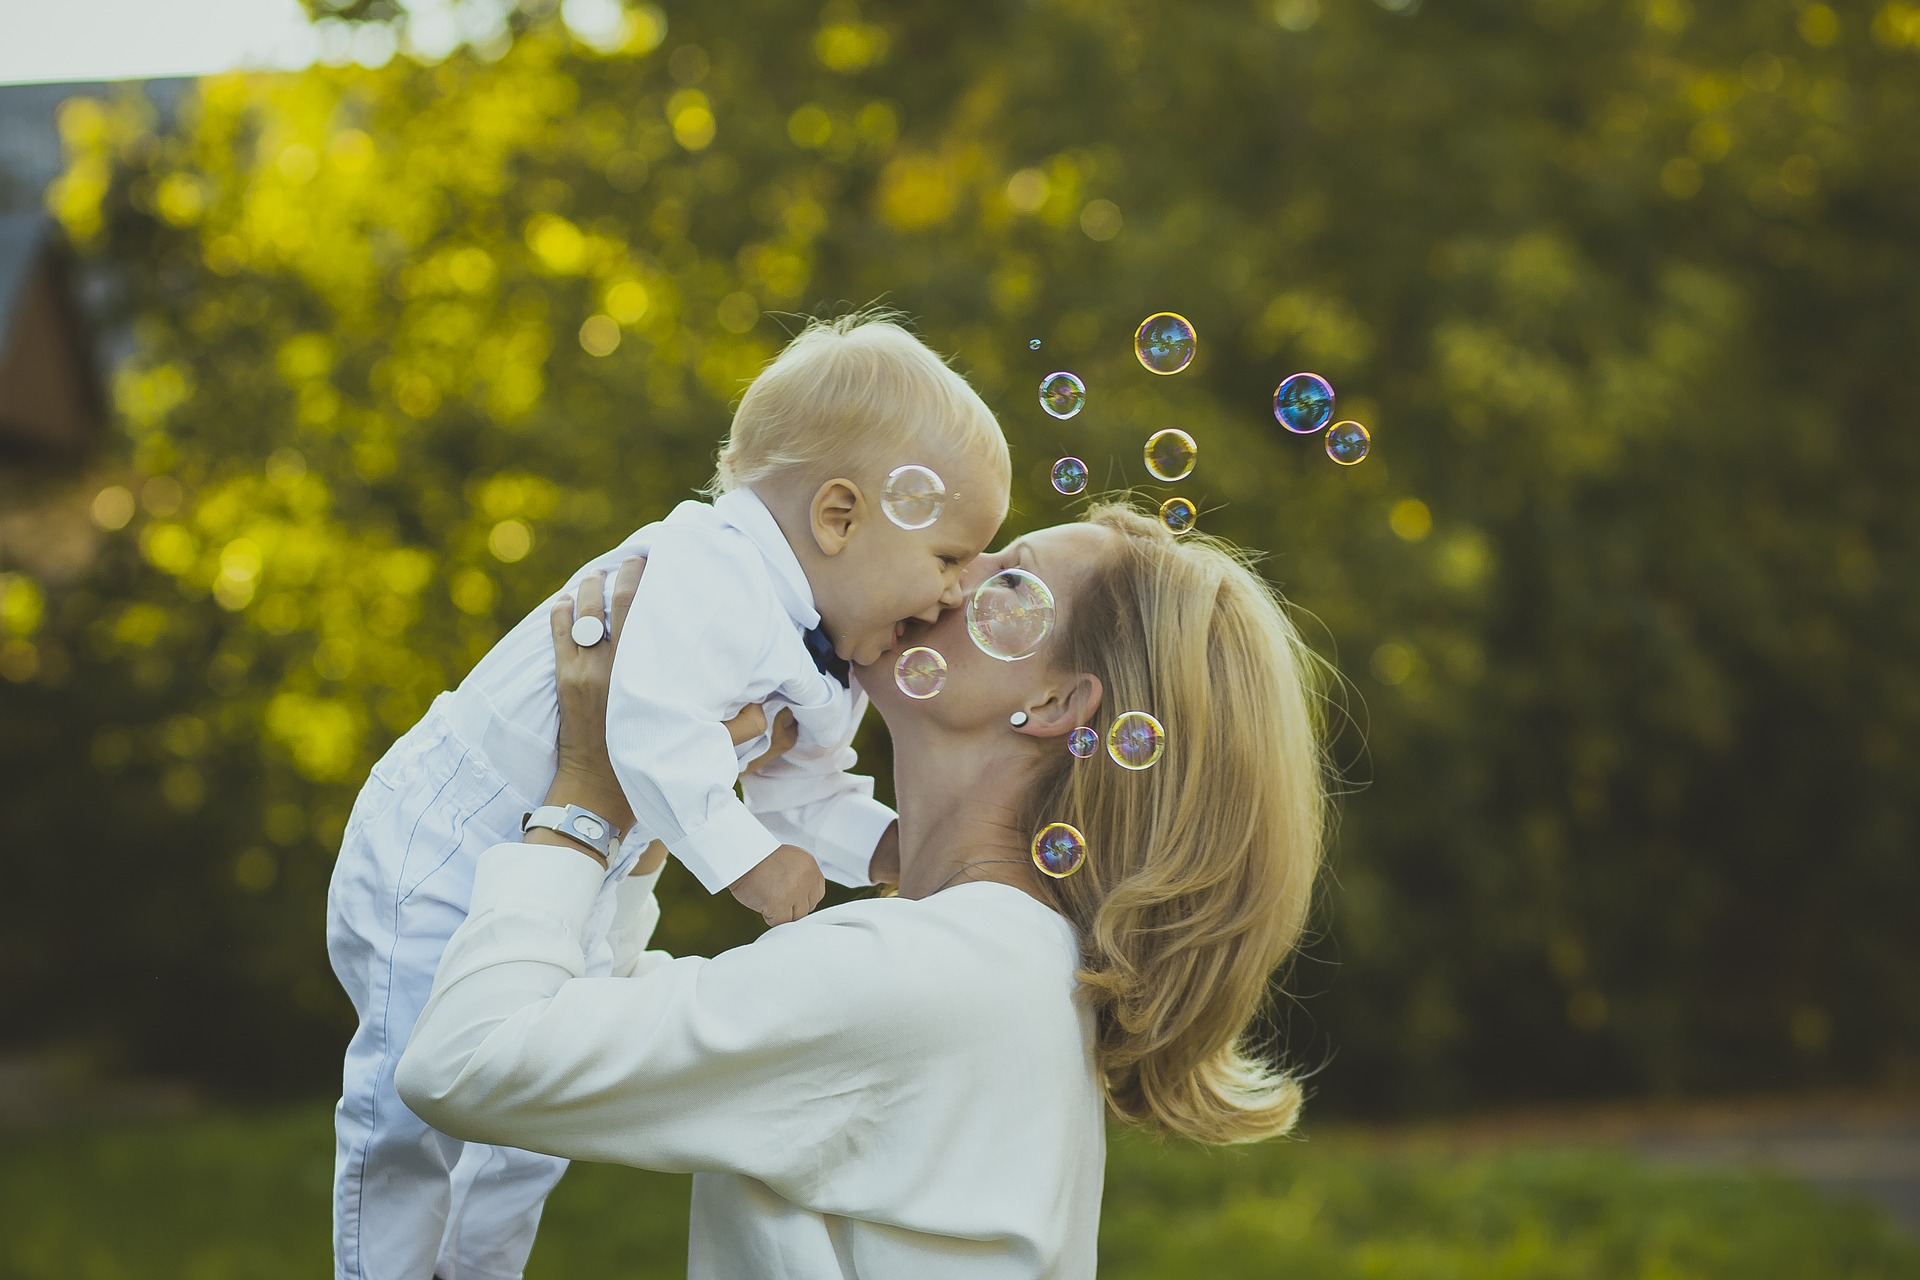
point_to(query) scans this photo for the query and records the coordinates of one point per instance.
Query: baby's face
(888, 576)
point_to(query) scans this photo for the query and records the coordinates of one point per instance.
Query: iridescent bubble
(1170, 454)
(1059, 849)
(1135, 740)
(1347, 442)
(1033, 344)
(1010, 614)
(1069, 475)
(913, 496)
(1178, 514)
(1083, 742)
(920, 672)
(1303, 403)
(1164, 342)
(1062, 394)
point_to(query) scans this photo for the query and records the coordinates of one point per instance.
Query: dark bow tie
(831, 664)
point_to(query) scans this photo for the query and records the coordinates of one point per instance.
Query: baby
(802, 565)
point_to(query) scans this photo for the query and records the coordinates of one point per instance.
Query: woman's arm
(776, 1060)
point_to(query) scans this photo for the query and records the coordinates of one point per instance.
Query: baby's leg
(399, 890)
(498, 1193)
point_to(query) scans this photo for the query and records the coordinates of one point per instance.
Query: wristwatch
(584, 825)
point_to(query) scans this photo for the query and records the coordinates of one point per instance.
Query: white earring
(1018, 719)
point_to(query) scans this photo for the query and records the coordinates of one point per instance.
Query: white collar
(743, 509)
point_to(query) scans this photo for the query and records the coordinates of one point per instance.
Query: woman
(914, 1086)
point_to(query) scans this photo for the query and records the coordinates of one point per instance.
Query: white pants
(410, 1202)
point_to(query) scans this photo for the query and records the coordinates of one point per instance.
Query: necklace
(978, 862)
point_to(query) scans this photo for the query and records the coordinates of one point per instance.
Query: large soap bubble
(1303, 403)
(1347, 442)
(1135, 740)
(1171, 454)
(920, 672)
(1164, 342)
(1010, 614)
(1062, 394)
(913, 496)
(1082, 743)
(1059, 849)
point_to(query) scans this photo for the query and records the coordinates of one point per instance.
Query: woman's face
(980, 689)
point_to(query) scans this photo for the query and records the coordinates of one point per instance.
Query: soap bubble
(1059, 849)
(1010, 614)
(1164, 342)
(1062, 394)
(1135, 740)
(1170, 454)
(920, 672)
(1347, 442)
(913, 496)
(1033, 344)
(1303, 403)
(1083, 742)
(1069, 475)
(1178, 514)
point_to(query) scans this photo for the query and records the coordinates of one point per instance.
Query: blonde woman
(916, 1086)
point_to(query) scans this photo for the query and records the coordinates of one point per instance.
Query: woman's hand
(581, 677)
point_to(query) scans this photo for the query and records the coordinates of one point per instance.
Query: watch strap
(584, 825)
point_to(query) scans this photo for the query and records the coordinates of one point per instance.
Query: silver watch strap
(584, 825)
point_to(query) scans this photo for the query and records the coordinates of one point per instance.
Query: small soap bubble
(1170, 454)
(1069, 475)
(1083, 742)
(1347, 442)
(1059, 849)
(1164, 342)
(1303, 403)
(1010, 614)
(1178, 514)
(920, 672)
(1062, 394)
(1033, 344)
(913, 496)
(1135, 740)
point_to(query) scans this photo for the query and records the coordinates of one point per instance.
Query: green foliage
(1625, 292)
(237, 1197)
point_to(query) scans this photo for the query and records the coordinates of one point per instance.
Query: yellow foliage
(917, 191)
(321, 734)
(22, 603)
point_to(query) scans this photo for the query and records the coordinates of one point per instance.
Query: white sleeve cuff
(731, 844)
(846, 834)
(541, 877)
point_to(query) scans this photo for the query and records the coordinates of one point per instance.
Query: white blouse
(888, 1088)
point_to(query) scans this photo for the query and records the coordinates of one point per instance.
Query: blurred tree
(1624, 291)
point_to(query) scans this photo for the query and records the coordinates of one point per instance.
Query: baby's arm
(810, 799)
(690, 652)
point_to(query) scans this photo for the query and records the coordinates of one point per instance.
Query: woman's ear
(1066, 707)
(836, 511)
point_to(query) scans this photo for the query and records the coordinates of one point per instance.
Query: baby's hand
(784, 886)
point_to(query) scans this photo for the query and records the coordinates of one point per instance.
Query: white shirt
(888, 1088)
(717, 624)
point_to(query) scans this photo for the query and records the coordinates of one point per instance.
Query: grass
(234, 1197)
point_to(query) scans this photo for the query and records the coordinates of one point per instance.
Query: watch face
(588, 827)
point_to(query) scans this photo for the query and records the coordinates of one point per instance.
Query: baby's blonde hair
(847, 395)
(1200, 869)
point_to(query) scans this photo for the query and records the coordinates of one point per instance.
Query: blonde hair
(1199, 870)
(848, 394)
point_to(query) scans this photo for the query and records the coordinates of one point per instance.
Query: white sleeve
(689, 658)
(809, 799)
(636, 914)
(761, 1061)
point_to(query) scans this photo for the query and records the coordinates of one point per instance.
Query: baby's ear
(836, 511)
